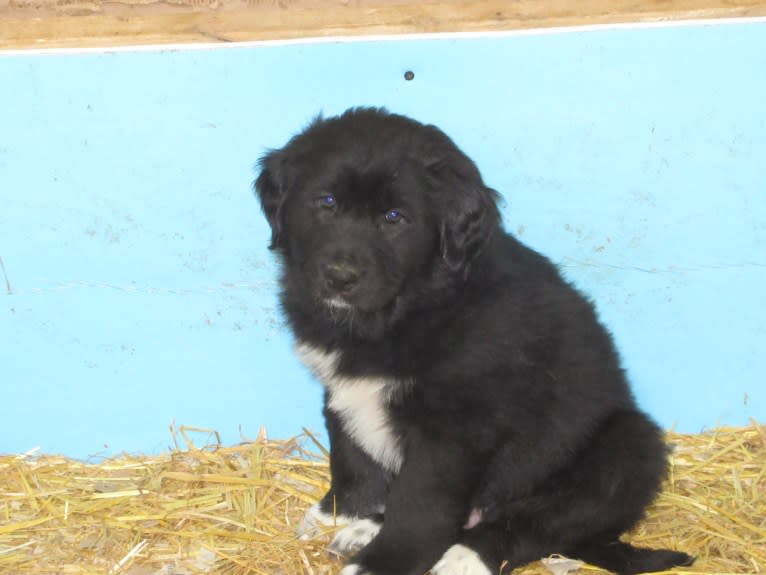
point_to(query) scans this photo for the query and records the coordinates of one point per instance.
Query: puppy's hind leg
(581, 510)
(618, 476)
(626, 559)
(487, 549)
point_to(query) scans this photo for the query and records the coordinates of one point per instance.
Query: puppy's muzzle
(341, 277)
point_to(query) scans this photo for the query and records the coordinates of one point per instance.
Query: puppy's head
(371, 212)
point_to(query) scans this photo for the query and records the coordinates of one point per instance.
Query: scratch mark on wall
(224, 287)
(665, 269)
(8, 288)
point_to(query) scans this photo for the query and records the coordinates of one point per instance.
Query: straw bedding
(233, 510)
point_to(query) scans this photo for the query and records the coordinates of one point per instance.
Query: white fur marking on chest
(360, 402)
(361, 406)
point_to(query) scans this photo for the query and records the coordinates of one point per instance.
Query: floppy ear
(471, 215)
(270, 187)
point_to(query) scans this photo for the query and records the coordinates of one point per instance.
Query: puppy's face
(371, 213)
(355, 235)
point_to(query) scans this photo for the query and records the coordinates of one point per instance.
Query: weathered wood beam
(106, 23)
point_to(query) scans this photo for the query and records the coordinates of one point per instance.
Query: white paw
(351, 569)
(460, 560)
(354, 536)
(315, 520)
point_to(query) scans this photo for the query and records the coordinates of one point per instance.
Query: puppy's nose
(340, 276)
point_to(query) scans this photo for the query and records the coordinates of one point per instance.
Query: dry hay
(233, 510)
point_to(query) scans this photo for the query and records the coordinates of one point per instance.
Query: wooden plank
(97, 23)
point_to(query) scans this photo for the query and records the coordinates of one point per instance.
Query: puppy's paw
(460, 560)
(353, 569)
(354, 536)
(316, 520)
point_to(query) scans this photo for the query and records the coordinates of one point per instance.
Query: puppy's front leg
(358, 487)
(425, 509)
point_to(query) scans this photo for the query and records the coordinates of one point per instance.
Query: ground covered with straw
(233, 510)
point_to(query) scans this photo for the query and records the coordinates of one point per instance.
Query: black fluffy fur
(506, 397)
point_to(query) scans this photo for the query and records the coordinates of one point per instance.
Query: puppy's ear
(270, 187)
(471, 214)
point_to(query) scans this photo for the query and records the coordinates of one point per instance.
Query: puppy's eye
(394, 216)
(327, 201)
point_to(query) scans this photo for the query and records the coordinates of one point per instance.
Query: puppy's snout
(341, 276)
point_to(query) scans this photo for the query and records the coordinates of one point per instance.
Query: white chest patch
(360, 402)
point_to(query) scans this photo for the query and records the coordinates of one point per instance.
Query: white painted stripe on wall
(391, 37)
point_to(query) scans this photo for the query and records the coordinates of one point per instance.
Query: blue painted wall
(140, 291)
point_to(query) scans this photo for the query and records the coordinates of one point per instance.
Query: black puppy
(476, 409)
